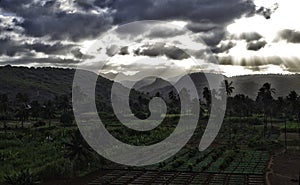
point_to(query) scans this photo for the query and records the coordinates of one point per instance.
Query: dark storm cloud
(213, 37)
(49, 20)
(124, 51)
(202, 15)
(292, 36)
(160, 49)
(203, 26)
(10, 48)
(66, 26)
(84, 4)
(150, 50)
(256, 45)
(57, 48)
(193, 10)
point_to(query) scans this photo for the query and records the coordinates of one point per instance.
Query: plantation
(41, 144)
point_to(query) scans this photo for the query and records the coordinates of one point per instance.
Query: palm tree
(265, 97)
(77, 150)
(228, 87)
(292, 99)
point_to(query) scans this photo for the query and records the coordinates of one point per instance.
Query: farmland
(40, 142)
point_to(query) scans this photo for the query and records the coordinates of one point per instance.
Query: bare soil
(284, 168)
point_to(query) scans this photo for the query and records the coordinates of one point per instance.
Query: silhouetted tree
(63, 103)
(228, 87)
(292, 99)
(207, 96)
(35, 109)
(23, 107)
(265, 98)
(4, 108)
(67, 118)
(49, 111)
(77, 150)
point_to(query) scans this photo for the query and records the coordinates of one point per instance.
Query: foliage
(25, 177)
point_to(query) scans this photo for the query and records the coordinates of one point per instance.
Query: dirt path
(283, 168)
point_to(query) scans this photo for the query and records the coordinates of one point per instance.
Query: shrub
(177, 163)
(24, 177)
(39, 124)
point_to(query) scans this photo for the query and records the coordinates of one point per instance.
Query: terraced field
(214, 166)
(120, 177)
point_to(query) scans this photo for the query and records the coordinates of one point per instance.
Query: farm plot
(218, 160)
(118, 177)
(247, 162)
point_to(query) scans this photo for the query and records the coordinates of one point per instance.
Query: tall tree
(228, 87)
(23, 107)
(49, 111)
(4, 107)
(77, 150)
(293, 103)
(207, 96)
(265, 97)
(63, 103)
(35, 109)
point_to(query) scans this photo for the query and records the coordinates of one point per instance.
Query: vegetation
(39, 140)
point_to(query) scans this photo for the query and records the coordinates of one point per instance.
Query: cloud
(291, 36)
(66, 26)
(291, 64)
(10, 48)
(163, 32)
(202, 26)
(256, 45)
(160, 49)
(45, 31)
(57, 48)
(112, 50)
(223, 47)
(193, 10)
(50, 19)
(213, 37)
(267, 12)
(249, 36)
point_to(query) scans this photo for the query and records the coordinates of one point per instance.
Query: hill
(45, 83)
(248, 84)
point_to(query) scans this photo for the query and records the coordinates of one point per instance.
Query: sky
(245, 36)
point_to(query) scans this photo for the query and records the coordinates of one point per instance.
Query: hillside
(248, 85)
(44, 83)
